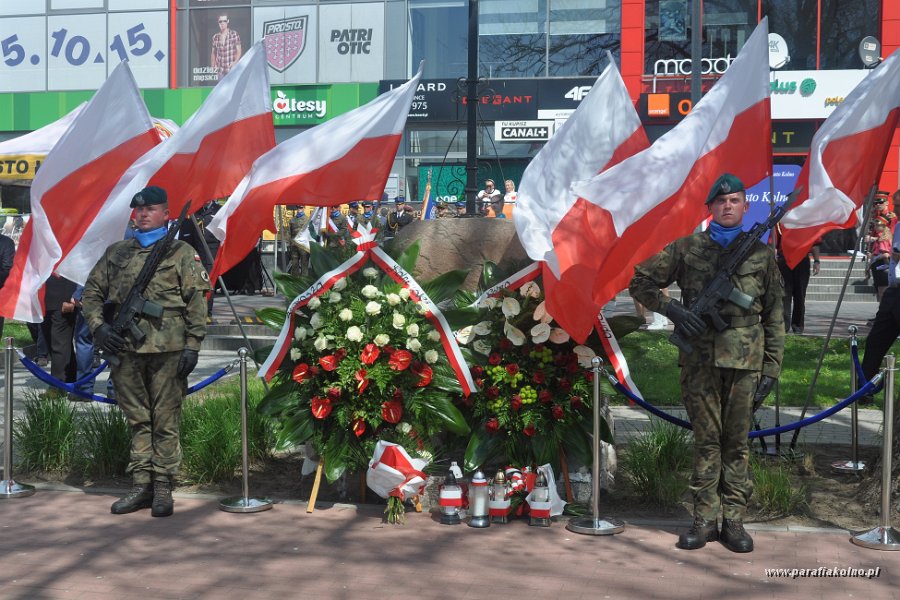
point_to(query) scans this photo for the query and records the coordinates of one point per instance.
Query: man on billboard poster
(226, 48)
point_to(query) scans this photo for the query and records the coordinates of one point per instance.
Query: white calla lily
(584, 355)
(510, 307)
(514, 334)
(482, 328)
(540, 333)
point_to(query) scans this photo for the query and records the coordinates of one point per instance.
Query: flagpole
(471, 114)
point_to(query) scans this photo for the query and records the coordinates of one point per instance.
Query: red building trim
(173, 31)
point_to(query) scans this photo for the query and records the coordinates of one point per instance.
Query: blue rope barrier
(868, 388)
(38, 372)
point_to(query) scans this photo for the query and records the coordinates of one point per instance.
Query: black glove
(187, 362)
(108, 340)
(765, 386)
(684, 319)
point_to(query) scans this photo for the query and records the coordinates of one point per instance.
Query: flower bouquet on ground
(536, 383)
(365, 362)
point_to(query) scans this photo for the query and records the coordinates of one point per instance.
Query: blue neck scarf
(723, 235)
(335, 213)
(368, 214)
(148, 238)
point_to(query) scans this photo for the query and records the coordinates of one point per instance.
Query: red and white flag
(205, 159)
(347, 158)
(845, 160)
(604, 130)
(105, 138)
(635, 208)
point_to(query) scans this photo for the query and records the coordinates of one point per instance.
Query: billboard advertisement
(218, 39)
(351, 42)
(290, 38)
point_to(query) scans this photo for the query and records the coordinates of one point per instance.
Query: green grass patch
(45, 435)
(104, 441)
(19, 332)
(657, 463)
(773, 491)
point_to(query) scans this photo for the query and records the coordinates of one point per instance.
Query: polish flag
(203, 160)
(103, 140)
(604, 130)
(845, 159)
(632, 210)
(347, 158)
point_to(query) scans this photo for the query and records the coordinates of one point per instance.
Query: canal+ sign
(523, 131)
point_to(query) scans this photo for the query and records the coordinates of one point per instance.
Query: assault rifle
(135, 305)
(720, 288)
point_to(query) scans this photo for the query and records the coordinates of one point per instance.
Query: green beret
(726, 184)
(149, 196)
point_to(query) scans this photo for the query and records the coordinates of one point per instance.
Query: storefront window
(844, 24)
(795, 21)
(437, 142)
(581, 31)
(438, 34)
(512, 38)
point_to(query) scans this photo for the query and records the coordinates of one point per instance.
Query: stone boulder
(463, 243)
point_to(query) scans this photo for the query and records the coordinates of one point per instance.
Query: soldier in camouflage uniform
(728, 370)
(298, 255)
(334, 239)
(151, 380)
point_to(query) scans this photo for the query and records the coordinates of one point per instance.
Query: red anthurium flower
(423, 371)
(538, 377)
(492, 425)
(557, 412)
(492, 392)
(512, 369)
(400, 360)
(495, 358)
(340, 353)
(358, 426)
(329, 363)
(321, 407)
(565, 385)
(545, 397)
(391, 411)
(301, 373)
(369, 354)
(529, 430)
(334, 393)
(363, 382)
(516, 402)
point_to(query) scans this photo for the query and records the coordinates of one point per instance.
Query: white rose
(314, 302)
(530, 289)
(334, 297)
(412, 330)
(404, 427)
(300, 334)
(373, 308)
(482, 328)
(321, 343)
(421, 308)
(354, 334)
(413, 344)
(381, 339)
(510, 307)
(490, 303)
(584, 355)
(434, 335)
(404, 293)
(558, 336)
(369, 291)
(340, 284)
(431, 356)
(295, 354)
(481, 346)
(398, 321)
(345, 315)
(316, 321)
(370, 272)
(514, 334)
(393, 299)
(540, 333)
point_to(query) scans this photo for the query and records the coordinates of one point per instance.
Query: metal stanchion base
(240, 504)
(880, 538)
(848, 466)
(592, 526)
(11, 489)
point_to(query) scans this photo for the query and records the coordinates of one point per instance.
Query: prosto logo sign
(286, 106)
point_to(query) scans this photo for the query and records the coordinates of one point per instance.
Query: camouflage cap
(725, 184)
(149, 196)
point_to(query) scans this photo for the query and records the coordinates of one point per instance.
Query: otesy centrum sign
(523, 131)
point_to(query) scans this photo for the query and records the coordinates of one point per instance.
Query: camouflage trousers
(719, 403)
(150, 394)
(299, 262)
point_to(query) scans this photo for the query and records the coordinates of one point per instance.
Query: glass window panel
(578, 55)
(585, 16)
(844, 24)
(437, 142)
(795, 21)
(438, 34)
(511, 55)
(504, 17)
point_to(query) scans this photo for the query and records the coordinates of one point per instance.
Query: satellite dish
(778, 52)
(870, 51)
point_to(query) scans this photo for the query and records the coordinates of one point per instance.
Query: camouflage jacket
(298, 223)
(342, 235)
(179, 286)
(691, 262)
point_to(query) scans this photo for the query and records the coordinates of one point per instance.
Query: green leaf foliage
(273, 317)
(444, 286)
(482, 446)
(291, 286)
(408, 257)
(321, 260)
(443, 410)
(280, 398)
(294, 428)
(488, 276)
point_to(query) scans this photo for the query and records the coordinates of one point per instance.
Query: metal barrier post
(596, 525)
(854, 465)
(8, 487)
(884, 537)
(244, 504)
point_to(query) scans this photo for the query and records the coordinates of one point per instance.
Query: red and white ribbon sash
(514, 281)
(614, 352)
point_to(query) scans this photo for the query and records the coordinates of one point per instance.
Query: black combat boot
(162, 498)
(701, 531)
(735, 537)
(140, 496)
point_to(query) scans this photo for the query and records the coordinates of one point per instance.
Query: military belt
(743, 321)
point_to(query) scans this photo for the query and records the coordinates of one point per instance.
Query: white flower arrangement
(321, 343)
(316, 321)
(510, 307)
(370, 272)
(413, 344)
(431, 356)
(482, 328)
(345, 315)
(334, 297)
(540, 333)
(354, 334)
(340, 285)
(295, 354)
(412, 330)
(373, 308)
(398, 321)
(434, 335)
(300, 333)
(404, 293)
(314, 303)
(382, 339)
(393, 299)
(482, 347)
(369, 291)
